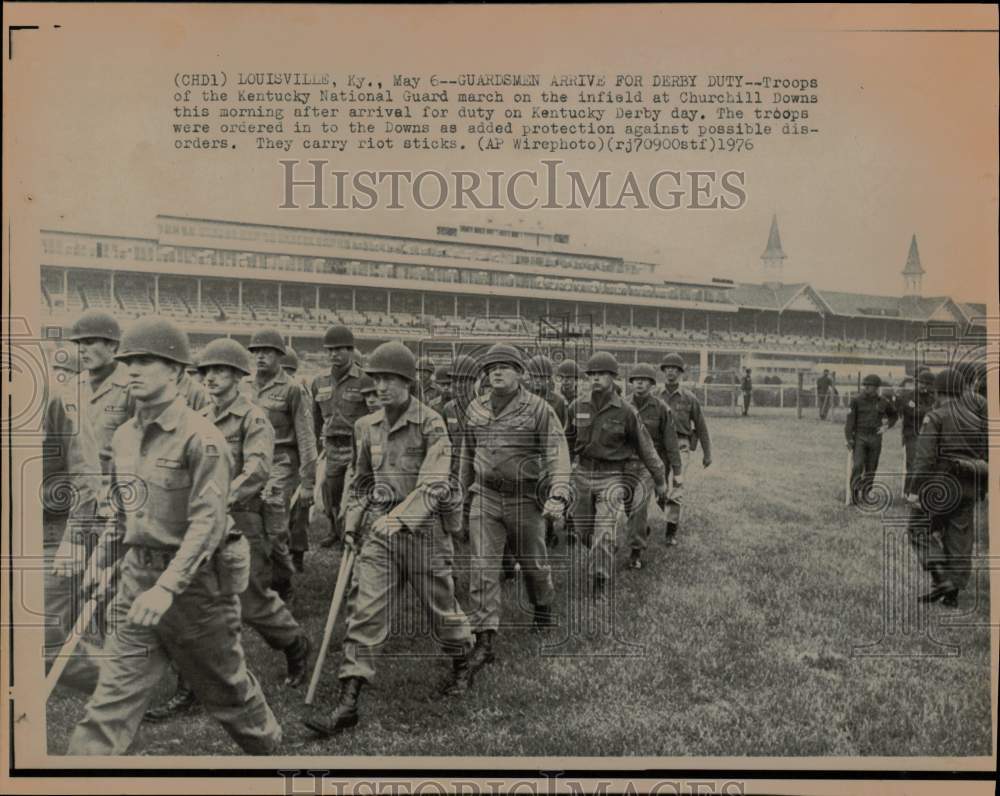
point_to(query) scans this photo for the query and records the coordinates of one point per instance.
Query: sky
(907, 121)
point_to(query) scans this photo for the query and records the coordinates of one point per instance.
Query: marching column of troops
(194, 483)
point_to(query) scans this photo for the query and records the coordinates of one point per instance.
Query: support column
(702, 365)
(239, 299)
(487, 307)
(156, 293)
(279, 299)
(822, 328)
(631, 316)
(455, 313)
(682, 320)
(388, 303)
(317, 300)
(517, 307)
(199, 297)
(779, 323)
(658, 322)
(111, 287)
(354, 299)
(422, 306)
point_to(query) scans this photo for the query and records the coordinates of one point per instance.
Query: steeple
(913, 271)
(773, 258)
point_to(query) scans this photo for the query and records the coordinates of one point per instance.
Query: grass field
(742, 640)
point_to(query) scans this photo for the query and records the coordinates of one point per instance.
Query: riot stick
(343, 577)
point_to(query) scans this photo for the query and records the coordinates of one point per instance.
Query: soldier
(913, 405)
(952, 448)
(869, 417)
(442, 382)
(397, 491)
(540, 383)
(463, 381)
(191, 390)
(369, 392)
(337, 405)
(423, 389)
(177, 598)
(607, 432)
(223, 363)
(568, 374)
(515, 463)
(80, 421)
(691, 430)
(825, 390)
(746, 387)
(659, 422)
(290, 364)
(287, 406)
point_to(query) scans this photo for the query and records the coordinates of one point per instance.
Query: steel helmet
(392, 357)
(338, 337)
(568, 370)
(425, 364)
(366, 384)
(501, 353)
(158, 337)
(268, 338)
(926, 378)
(464, 367)
(540, 366)
(290, 361)
(949, 382)
(673, 360)
(871, 380)
(225, 352)
(442, 375)
(602, 362)
(643, 371)
(96, 323)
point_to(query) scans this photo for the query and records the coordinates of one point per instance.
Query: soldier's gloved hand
(150, 606)
(69, 560)
(661, 494)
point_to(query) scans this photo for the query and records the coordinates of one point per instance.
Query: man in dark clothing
(746, 387)
(825, 392)
(870, 416)
(912, 406)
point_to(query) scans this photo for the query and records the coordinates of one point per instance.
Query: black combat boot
(182, 701)
(482, 653)
(345, 715)
(635, 559)
(671, 536)
(544, 618)
(297, 660)
(459, 680)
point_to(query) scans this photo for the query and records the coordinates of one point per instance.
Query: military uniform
(746, 387)
(511, 461)
(659, 422)
(251, 444)
(949, 476)
(912, 406)
(863, 430)
(824, 395)
(394, 470)
(80, 420)
(337, 405)
(689, 422)
(180, 463)
(605, 438)
(286, 405)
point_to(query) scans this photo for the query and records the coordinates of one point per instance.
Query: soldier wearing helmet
(515, 465)
(442, 383)
(79, 421)
(659, 422)
(287, 406)
(913, 405)
(337, 405)
(178, 594)
(691, 430)
(222, 364)
(950, 474)
(400, 512)
(370, 393)
(869, 417)
(568, 373)
(540, 383)
(423, 388)
(826, 389)
(607, 432)
(463, 372)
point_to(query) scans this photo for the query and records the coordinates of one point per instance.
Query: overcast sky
(907, 123)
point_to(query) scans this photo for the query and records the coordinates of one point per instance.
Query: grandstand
(482, 283)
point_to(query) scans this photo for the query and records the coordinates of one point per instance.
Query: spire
(773, 258)
(913, 271)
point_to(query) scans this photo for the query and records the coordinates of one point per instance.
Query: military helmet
(926, 378)
(225, 352)
(366, 384)
(425, 364)
(463, 367)
(871, 380)
(158, 337)
(540, 366)
(268, 338)
(392, 357)
(338, 337)
(643, 371)
(567, 369)
(290, 361)
(442, 375)
(673, 360)
(96, 323)
(949, 382)
(501, 353)
(602, 362)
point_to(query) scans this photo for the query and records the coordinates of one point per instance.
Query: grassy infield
(747, 632)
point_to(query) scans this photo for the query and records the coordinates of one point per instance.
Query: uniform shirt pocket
(169, 490)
